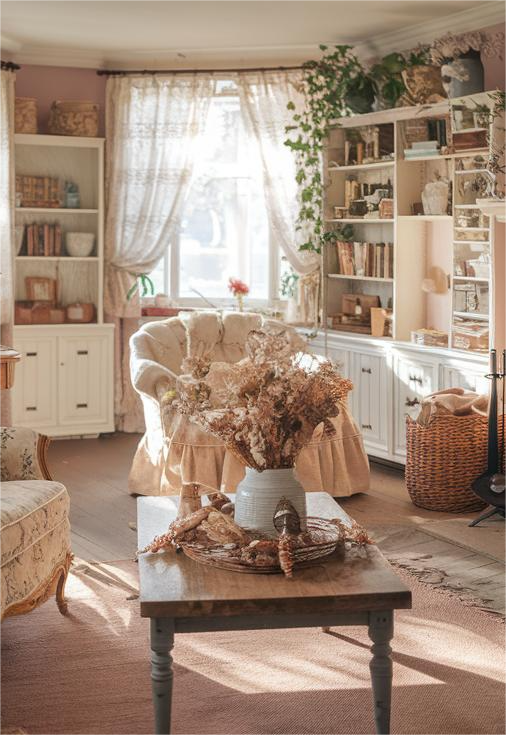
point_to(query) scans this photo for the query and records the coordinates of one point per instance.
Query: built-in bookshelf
(64, 385)
(41, 232)
(422, 254)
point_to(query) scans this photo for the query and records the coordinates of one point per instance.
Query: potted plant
(421, 78)
(335, 86)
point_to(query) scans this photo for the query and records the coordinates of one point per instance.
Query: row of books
(42, 240)
(367, 259)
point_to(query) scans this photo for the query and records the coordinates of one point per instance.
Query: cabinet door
(34, 391)
(370, 410)
(413, 379)
(84, 380)
(469, 377)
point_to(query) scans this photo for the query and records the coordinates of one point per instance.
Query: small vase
(258, 495)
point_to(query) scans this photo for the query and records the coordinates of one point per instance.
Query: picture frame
(41, 289)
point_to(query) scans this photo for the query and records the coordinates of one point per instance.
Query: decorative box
(386, 209)
(381, 322)
(429, 337)
(80, 313)
(25, 115)
(73, 118)
(470, 336)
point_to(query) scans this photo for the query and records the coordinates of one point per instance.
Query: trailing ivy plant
(335, 86)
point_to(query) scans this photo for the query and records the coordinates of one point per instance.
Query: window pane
(224, 230)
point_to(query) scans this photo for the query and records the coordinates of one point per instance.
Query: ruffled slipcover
(175, 452)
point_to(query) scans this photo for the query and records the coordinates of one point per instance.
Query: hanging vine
(334, 86)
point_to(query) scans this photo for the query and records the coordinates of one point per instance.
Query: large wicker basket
(443, 458)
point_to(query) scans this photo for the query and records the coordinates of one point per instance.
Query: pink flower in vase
(239, 289)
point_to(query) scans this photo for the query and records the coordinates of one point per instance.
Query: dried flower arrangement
(239, 289)
(266, 407)
(209, 535)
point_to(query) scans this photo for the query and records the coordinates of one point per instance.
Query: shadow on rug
(89, 672)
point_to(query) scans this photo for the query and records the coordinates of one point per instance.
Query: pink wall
(49, 83)
(494, 68)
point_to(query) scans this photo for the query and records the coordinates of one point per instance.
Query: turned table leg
(162, 641)
(381, 630)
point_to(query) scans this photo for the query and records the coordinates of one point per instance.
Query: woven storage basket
(73, 118)
(442, 460)
(25, 115)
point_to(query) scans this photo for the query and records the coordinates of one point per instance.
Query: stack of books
(38, 191)
(42, 240)
(366, 259)
(422, 149)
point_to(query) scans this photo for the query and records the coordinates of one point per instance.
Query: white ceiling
(191, 33)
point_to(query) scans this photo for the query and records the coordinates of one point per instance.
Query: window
(224, 230)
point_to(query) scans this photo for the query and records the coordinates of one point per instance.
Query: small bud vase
(258, 495)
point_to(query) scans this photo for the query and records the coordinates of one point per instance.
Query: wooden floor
(95, 472)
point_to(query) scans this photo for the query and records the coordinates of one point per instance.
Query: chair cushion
(30, 509)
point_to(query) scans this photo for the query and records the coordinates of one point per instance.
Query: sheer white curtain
(6, 222)
(264, 99)
(153, 126)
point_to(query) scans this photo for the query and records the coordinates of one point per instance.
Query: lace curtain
(153, 127)
(264, 98)
(6, 220)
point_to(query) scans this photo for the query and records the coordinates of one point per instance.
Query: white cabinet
(64, 385)
(469, 377)
(414, 377)
(34, 392)
(370, 379)
(83, 363)
(390, 379)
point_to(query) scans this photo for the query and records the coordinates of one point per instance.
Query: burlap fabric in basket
(442, 460)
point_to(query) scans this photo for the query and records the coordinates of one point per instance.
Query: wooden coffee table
(182, 596)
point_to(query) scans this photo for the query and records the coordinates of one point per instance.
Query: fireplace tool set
(490, 486)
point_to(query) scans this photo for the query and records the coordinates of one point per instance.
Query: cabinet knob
(31, 408)
(82, 352)
(31, 354)
(366, 370)
(412, 402)
(366, 426)
(415, 379)
(81, 405)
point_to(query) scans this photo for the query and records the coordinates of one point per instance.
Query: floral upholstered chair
(175, 454)
(35, 539)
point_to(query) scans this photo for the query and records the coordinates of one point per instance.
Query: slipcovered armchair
(175, 453)
(35, 540)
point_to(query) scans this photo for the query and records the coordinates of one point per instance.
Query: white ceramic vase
(259, 493)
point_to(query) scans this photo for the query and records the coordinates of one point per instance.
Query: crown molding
(476, 18)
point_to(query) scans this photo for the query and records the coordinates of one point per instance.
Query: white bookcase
(391, 374)
(64, 386)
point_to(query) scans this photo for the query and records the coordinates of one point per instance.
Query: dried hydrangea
(266, 407)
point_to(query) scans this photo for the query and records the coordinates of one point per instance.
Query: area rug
(89, 672)
(401, 546)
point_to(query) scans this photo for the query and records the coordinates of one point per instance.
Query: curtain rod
(127, 72)
(9, 66)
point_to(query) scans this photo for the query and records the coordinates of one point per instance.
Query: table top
(172, 585)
